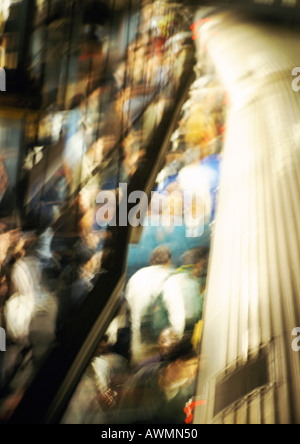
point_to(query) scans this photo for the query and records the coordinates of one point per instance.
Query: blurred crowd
(145, 368)
(151, 355)
(103, 81)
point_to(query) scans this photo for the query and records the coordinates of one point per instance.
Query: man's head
(197, 257)
(12, 246)
(102, 346)
(167, 342)
(173, 347)
(161, 256)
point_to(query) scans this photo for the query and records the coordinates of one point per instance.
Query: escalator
(52, 185)
(179, 162)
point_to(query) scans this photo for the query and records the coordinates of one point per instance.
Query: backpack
(154, 320)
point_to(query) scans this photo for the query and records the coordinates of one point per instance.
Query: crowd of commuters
(152, 375)
(51, 249)
(158, 330)
(101, 106)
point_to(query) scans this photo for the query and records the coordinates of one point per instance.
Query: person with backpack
(142, 295)
(184, 291)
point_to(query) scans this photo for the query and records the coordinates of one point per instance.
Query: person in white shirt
(184, 291)
(141, 288)
(20, 306)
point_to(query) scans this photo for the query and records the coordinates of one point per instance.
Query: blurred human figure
(142, 288)
(195, 181)
(167, 343)
(75, 141)
(47, 262)
(111, 371)
(43, 268)
(76, 281)
(20, 305)
(4, 289)
(17, 306)
(74, 225)
(183, 292)
(158, 393)
(98, 391)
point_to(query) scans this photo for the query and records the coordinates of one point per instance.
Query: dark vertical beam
(25, 29)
